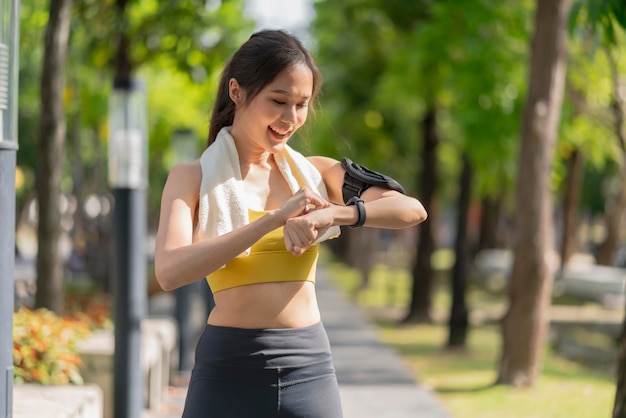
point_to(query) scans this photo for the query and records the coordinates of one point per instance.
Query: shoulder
(191, 168)
(323, 164)
(332, 172)
(185, 177)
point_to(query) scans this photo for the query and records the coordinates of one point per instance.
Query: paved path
(373, 379)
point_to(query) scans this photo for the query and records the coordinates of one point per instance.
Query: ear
(236, 92)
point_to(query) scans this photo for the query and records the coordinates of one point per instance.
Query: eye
(302, 105)
(278, 102)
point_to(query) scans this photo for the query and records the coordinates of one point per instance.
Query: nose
(290, 114)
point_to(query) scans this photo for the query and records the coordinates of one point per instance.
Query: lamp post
(184, 145)
(128, 178)
(9, 44)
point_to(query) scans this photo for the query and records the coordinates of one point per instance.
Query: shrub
(45, 347)
(89, 305)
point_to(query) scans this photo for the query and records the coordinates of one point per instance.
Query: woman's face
(276, 112)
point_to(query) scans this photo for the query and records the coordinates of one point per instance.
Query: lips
(280, 132)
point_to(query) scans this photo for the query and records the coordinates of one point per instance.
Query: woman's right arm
(178, 260)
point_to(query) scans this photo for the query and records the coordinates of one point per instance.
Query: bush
(45, 347)
(89, 305)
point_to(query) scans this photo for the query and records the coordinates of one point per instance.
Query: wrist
(361, 215)
(277, 218)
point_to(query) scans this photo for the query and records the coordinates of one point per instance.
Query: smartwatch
(360, 208)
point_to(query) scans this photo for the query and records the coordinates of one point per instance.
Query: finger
(291, 247)
(315, 201)
(305, 233)
(288, 242)
(297, 251)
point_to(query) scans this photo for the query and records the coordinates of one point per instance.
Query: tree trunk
(51, 155)
(526, 321)
(458, 325)
(571, 197)
(619, 407)
(614, 221)
(423, 277)
(489, 231)
(362, 243)
(98, 230)
(79, 227)
(615, 211)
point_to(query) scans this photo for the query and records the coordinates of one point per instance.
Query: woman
(248, 215)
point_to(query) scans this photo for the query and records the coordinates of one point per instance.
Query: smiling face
(266, 122)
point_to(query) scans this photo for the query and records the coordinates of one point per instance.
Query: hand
(303, 201)
(302, 231)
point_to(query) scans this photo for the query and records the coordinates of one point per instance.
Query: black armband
(359, 178)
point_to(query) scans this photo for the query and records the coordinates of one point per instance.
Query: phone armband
(359, 178)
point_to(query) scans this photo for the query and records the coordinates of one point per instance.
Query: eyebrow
(286, 93)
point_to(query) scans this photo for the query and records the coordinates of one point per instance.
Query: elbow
(164, 278)
(166, 285)
(419, 213)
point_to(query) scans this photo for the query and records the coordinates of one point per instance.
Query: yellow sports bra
(268, 261)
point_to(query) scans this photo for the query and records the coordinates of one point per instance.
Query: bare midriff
(266, 305)
(268, 288)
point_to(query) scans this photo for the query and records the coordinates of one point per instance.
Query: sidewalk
(373, 379)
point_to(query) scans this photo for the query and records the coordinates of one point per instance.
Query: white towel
(222, 206)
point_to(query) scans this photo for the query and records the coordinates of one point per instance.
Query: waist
(264, 348)
(266, 305)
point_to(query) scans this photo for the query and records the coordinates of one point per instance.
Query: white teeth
(279, 132)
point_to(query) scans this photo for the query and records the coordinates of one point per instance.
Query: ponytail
(224, 110)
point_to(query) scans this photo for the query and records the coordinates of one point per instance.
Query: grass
(463, 380)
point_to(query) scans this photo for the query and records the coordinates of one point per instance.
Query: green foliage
(33, 19)
(399, 58)
(354, 124)
(179, 48)
(482, 90)
(600, 17)
(191, 32)
(45, 347)
(588, 123)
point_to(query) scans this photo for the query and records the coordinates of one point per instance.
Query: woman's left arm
(384, 208)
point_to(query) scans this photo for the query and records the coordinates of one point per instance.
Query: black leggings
(277, 373)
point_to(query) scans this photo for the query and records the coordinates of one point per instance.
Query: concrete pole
(7, 277)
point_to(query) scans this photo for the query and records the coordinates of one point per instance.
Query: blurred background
(437, 94)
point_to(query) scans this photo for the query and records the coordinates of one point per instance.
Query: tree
(602, 20)
(51, 145)
(423, 273)
(599, 25)
(421, 84)
(204, 36)
(615, 218)
(375, 134)
(459, 315)
(571, 197)
(526, 321)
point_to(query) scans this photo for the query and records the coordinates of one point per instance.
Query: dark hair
(256, 64)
